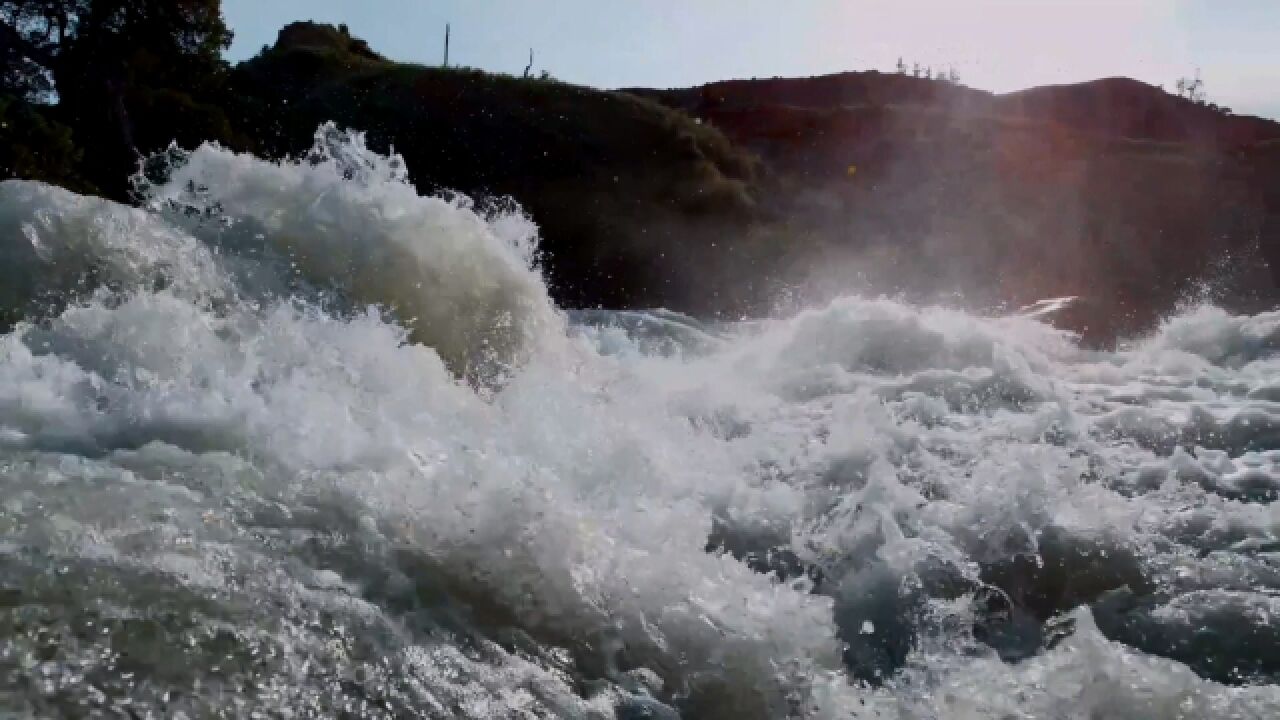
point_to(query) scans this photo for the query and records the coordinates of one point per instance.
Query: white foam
(309, 476)
(463, 283)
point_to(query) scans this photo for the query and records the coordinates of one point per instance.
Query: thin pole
(446, 44)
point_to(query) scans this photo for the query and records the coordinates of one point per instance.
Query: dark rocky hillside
(736, 196)
(1111, 190)
(635, 200)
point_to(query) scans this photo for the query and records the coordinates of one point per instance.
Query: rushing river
(294, 441)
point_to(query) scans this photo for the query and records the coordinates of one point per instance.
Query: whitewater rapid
(292, 440)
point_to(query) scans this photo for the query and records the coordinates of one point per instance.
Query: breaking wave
(295, 440)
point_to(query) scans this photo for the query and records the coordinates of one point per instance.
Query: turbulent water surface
(297, 442)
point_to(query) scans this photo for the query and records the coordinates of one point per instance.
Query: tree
(126, 76)
(29, 32)
(33, 146)
(901, 67)
(915, 70)
(74, 42)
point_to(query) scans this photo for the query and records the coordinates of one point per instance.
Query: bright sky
(998, 45)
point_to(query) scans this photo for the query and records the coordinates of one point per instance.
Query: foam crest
(56, 246)
(344, 216)
(1220, 338)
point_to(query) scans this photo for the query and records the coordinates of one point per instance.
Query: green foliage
(34, 147)
(126, 76)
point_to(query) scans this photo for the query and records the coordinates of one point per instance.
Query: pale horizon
(996, 45)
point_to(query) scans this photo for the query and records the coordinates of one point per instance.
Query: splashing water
(296, 441)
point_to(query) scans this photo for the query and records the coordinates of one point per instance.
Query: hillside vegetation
(630, 194)
(720, 199)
